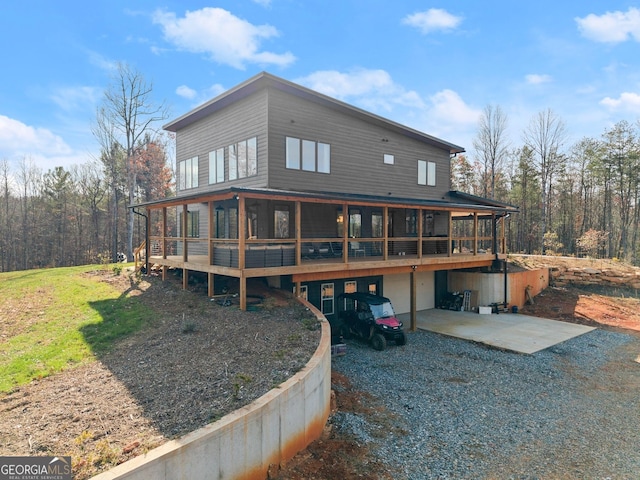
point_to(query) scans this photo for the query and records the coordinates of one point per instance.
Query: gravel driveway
(467, 411)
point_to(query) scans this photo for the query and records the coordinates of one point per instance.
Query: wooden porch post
(164, 232)
(450, 246)
(185, 272)
(420, 226)
(475, 233)
(414, 313)
(385, 223)
(242, 226)
(298, 232)
(346, 222)
(210, 276)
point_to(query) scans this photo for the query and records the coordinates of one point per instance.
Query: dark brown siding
(357, 150)
(240, 121)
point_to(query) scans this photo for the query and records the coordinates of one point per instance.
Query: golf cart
(371, 318)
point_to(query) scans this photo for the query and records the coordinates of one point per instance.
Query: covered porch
(245, 233)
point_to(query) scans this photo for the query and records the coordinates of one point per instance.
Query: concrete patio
(509, 331)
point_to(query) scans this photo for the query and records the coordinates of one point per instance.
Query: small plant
(189, 327)
(241, 380)
(104, 454)
(117, 269)
(311, 323)
(294, 337)
(83, 438)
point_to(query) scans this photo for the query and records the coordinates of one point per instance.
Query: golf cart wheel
(401, 339)
(378, 342)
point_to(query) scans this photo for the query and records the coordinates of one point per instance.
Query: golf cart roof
(366, 297)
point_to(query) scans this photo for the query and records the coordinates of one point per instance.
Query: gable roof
(266, 80)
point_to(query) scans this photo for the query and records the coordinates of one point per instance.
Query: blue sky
(430, 65)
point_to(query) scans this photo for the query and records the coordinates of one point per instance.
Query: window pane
(422, 172)
(194, 172)
(220, 165)
(376, 225)
(233, 223)
(212, 167)
(388, 159)
(431, 174)
(183, 175)
(233, 163)
(252, 156)
(324, 158)
(355, 224)
(188, 173)
(281, 228)
(309, 155)
(293, 153)
(219, 227)
(327, 298)
(242, 159)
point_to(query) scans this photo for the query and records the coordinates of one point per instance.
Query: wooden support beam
(185, 278)
(210, 284)
(414, 303)
(243, 292)
(475, 233)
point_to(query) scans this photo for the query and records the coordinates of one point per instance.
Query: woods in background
(581, 199)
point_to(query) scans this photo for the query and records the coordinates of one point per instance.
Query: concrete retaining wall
(488, 288)
(245, 443)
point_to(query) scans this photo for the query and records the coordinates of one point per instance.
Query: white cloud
(101, 62)
(536, 79)
(628, 101)
(449, 108)
(264, 3)
(74, 98)
(16, 138)
(373, 88)
(443, 114)
(198, 98)
(432, 20)
(226, 38)
(612, 27)
(44, 148)
(186, 92)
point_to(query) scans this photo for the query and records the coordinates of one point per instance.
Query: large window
(243, 159)
(216, 166)
(426, 173)
(188, 171)
(308, 155)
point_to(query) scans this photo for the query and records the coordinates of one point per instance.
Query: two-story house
(280, 182)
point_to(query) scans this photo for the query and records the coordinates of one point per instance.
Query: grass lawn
(54, 319)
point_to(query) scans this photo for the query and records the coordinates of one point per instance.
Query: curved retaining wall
(244, 443)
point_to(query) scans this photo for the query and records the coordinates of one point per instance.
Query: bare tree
(129, 112)
(545, 136)
(491, 145)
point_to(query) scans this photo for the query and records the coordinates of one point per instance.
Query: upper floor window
(188, 171)
(389, 159)
(308, 155)
(426, 173)
(243, 159)
(216, 166)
